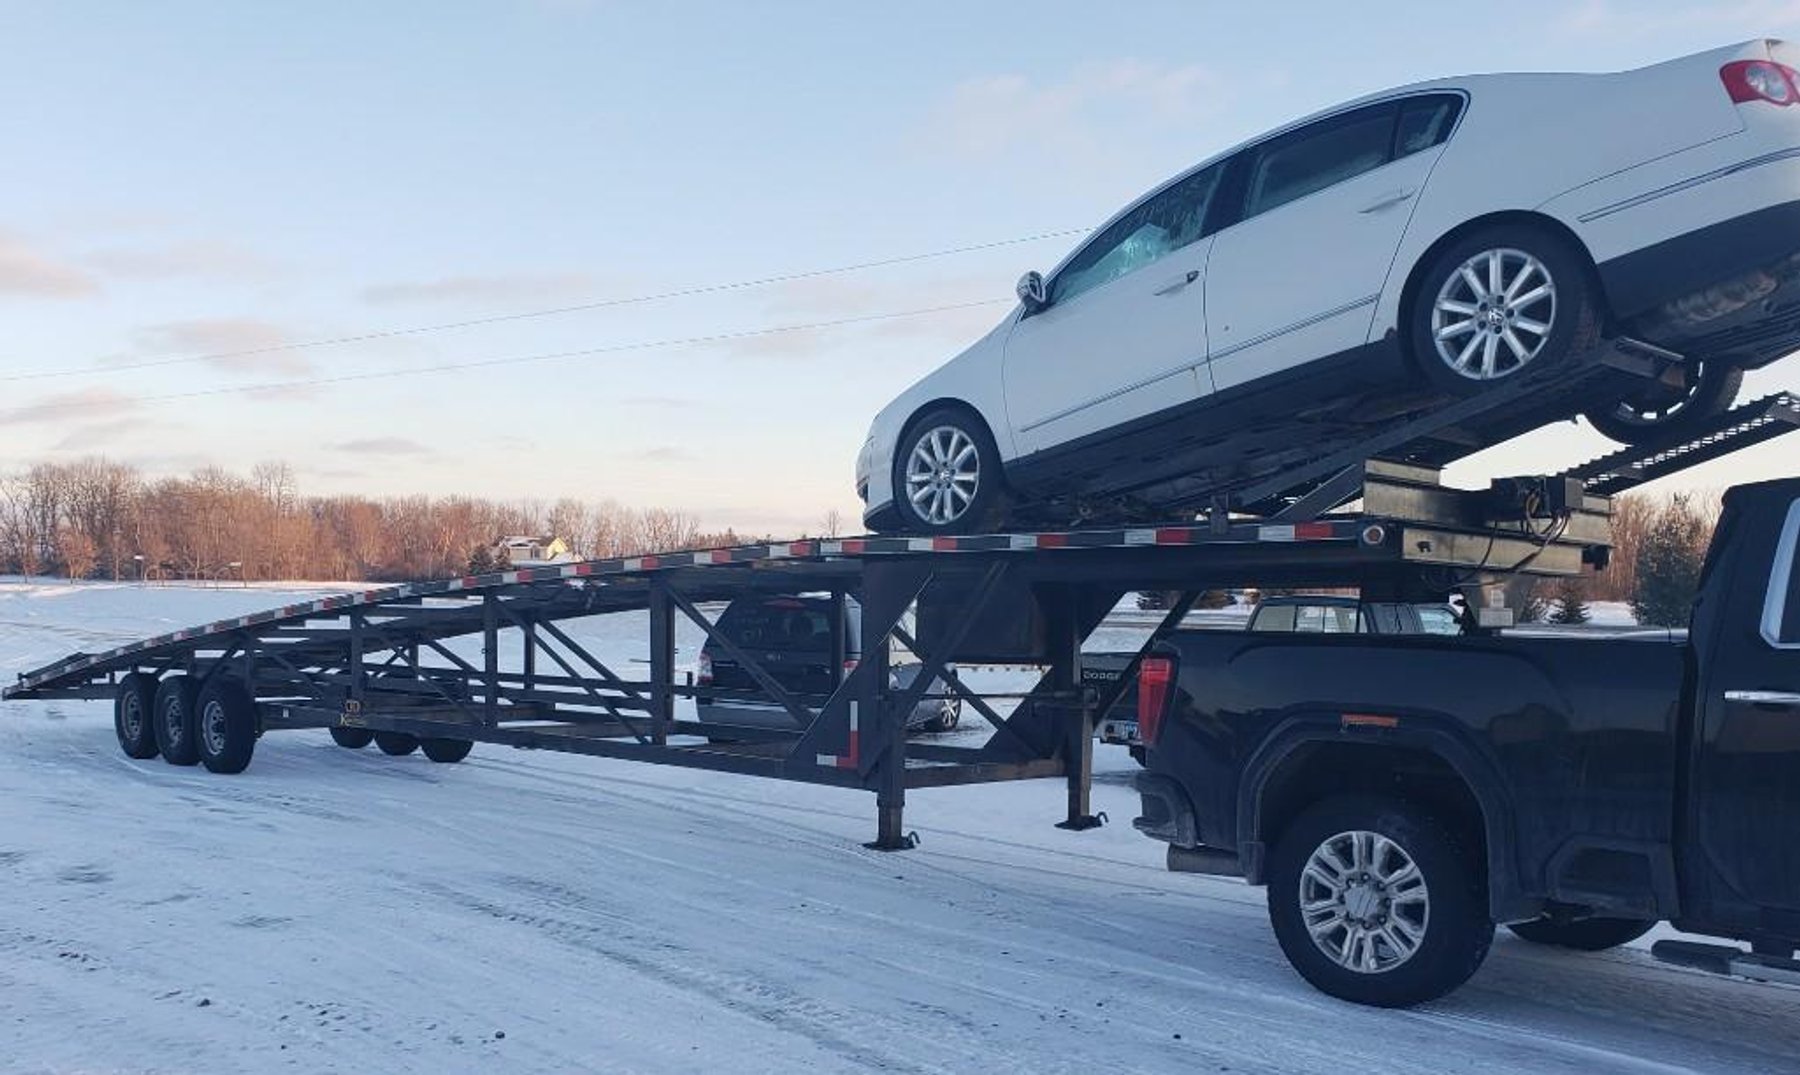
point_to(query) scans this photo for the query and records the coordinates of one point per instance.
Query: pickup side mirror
(1031, 292)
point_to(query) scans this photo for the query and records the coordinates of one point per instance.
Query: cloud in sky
(26, 272)
(390, 447)
(97, 435)
(198, 259)
(238, 344)
(548, 287)
(86, 404)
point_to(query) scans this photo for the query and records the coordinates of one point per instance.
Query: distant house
(528, 551)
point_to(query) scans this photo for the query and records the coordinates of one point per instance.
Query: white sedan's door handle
(1392, 197)
(1179, 282)
(1783, 699)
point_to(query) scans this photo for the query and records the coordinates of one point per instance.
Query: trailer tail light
(849, 666)
(705, 676)
(1761, 80)
(1156, 677)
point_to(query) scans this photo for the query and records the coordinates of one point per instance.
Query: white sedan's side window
(1316, 157)
(1159, 226)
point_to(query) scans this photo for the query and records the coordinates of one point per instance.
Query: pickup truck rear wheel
(1374, 901)
(1584, 935)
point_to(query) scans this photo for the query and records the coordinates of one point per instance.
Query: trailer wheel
(396, 744)
(1374, 901)
(133, 708)
(446, 751)
(351, 738)
(226, 726)
(175, 698)
(1585, 935)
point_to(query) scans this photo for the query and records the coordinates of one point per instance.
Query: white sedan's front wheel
(947, 474)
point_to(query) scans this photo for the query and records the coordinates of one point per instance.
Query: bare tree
(76, 551)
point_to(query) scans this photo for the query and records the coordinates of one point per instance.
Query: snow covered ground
(334, 911)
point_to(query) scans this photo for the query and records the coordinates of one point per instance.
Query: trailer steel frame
(382, 659)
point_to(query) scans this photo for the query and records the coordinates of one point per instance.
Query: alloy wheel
(943, 474)
(1364, 902)
(1494, 314)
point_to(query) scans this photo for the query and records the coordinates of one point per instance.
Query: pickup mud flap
(1167, 814)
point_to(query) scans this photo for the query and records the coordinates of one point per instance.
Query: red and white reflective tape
(846, 760)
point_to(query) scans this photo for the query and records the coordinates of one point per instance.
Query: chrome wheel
(1494, 314)
(1658, 403)
(1364, 902)
(212, 728)
(943, 474)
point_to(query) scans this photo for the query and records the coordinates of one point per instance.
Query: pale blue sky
(188, 178)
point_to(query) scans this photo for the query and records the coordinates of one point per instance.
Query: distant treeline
(100, 519)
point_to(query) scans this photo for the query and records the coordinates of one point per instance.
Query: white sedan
(1364, 262)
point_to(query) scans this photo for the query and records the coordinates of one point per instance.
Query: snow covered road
(331, 910)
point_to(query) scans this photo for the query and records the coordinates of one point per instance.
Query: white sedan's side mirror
(1031, 292)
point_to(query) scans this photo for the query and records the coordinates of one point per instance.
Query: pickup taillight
(1155, 683)
(705, 673)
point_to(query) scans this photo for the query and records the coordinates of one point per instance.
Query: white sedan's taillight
(1761, 80)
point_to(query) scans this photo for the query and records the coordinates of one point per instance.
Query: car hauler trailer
(376, 664)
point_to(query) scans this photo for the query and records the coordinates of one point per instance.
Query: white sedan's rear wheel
(1494, 314)
(1654, 408)
(1499, 302)
(947, 474)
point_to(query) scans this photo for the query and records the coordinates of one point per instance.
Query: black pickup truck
(1401, 795)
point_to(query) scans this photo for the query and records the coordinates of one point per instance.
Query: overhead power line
(525, 315)
(514, 360)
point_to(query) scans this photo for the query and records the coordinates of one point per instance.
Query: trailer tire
(134, 709)
(351, 738)
(396, 744)
(176, 697)
(226, 725)
(446, 751)
(1407, 876)
(1584, 935)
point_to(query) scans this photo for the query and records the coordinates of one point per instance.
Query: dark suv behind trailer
(1399, 796)
(791, 635)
